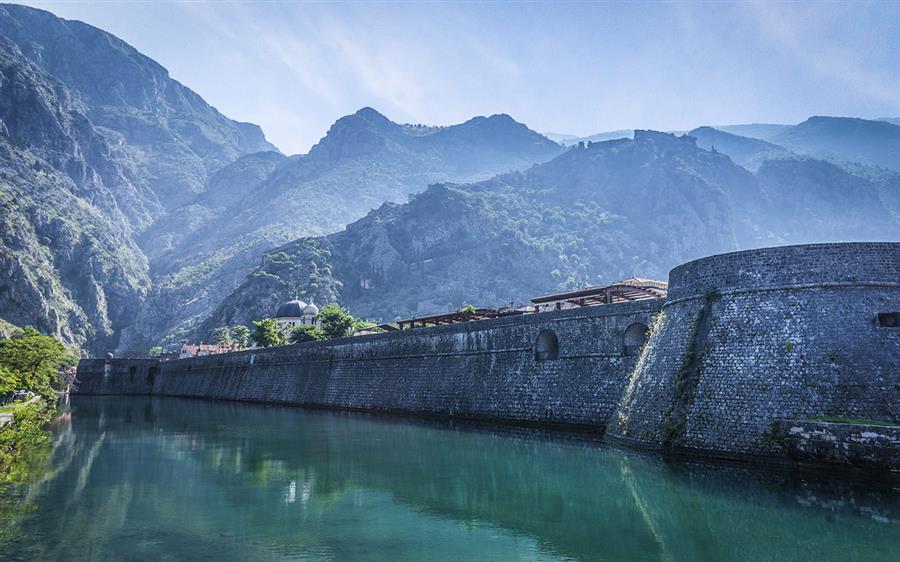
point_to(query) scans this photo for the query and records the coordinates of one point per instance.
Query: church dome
(291, 309)
(311, 310)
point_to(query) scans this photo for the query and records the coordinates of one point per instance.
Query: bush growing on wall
(467, 312)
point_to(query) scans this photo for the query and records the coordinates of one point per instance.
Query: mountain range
(594, 214)
(135, 214)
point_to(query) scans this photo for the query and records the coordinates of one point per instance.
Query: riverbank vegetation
(36, 363)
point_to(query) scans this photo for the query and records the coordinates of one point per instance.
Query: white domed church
(297, 313)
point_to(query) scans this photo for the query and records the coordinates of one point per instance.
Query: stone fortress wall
(475, 370)
(743, 342)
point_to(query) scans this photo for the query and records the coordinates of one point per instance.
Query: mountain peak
(353, 135)
(372, 116)
(502, 118)
(497, 120)
(856, 122)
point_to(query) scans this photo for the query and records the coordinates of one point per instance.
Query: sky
(564, 67)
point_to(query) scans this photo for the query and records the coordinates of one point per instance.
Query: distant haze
(572, 69)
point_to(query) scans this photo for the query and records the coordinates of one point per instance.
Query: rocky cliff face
(68, 262)
(97, 143)
(591, 215)
(170, 136)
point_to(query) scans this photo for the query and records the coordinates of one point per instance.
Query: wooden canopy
(449, 318)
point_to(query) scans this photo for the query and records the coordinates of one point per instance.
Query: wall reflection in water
(176, 479)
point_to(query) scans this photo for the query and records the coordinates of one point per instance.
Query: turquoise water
(170, 479)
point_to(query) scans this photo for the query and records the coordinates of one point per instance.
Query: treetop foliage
(266, 334)
(31, 361)
(306, 333)
(336, 321)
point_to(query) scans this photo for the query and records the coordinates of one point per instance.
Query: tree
(9, 380)
(305, 332)
(336, 321)
(156, 351)
(265, 333)
(222, 335)
(241, 335)
(32, 361)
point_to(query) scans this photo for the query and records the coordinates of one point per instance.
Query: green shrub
(306, 333)
(467, 312)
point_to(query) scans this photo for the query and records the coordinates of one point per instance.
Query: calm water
(169, 479)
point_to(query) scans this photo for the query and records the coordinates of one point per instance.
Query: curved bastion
(750, 344)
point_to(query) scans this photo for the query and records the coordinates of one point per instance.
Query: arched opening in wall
(546, 347)
(151, 375)
(131, 371)
(635, 338)
(889, 319)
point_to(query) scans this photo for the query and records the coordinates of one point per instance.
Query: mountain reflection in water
(171, 479)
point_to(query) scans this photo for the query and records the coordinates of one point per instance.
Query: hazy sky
(578, 68)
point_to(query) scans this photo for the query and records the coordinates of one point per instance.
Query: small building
(199, 350)
(297, 313)
(632, 289)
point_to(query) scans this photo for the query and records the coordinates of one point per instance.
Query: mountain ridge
(593, 214)
(363, 160)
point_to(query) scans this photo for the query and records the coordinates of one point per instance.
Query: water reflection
(176, 479)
